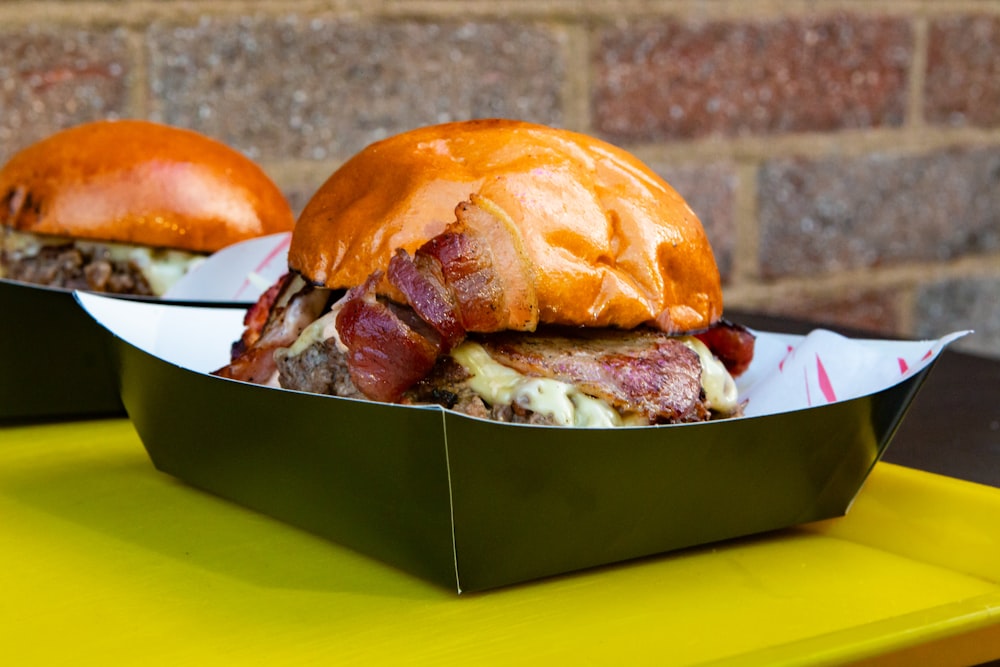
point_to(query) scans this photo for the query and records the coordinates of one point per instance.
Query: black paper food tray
(53, 362)
(53, 357)
(471, 504)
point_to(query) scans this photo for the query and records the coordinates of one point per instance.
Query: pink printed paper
(795, 372)
(240, 272)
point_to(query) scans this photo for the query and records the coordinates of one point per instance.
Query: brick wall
(843, 155)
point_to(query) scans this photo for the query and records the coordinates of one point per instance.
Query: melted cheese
(320, 330)
(161, 267)
(718, 385)
(562, 402)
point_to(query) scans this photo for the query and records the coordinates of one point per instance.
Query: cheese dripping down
(718, 385)
(561, 401)
(161, 267)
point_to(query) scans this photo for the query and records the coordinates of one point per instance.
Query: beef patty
(72, 267)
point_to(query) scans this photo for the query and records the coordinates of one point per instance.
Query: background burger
(506, 270)
(128, 206)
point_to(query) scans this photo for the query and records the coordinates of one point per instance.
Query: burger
(506, 270)
(128, 206)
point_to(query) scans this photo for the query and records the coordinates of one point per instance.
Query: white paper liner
(796, 372)
(240, 272)
(788, 372)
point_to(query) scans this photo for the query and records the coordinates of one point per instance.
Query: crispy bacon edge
(387, 350)
(732, 343)
(293, 306)
(257, 316)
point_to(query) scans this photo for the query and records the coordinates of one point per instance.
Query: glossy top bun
(612, 243)
(132, 181)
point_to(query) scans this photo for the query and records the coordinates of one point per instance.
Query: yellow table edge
(943, 524)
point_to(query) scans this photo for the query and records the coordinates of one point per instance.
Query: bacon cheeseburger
(505, 270)
(128, 206)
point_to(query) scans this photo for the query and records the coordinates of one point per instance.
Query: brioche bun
(611, 243)
(138, 182)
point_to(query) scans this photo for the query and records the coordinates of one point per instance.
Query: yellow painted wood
(104, 560)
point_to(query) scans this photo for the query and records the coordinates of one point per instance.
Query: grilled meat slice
(639, 371)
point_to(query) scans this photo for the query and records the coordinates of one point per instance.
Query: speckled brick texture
(710, 190)
(837, 214)
(321, 88)
(953, 305)
(963, 71)
(54, 77)
(869, 311)
(686, 80)
(844, 157)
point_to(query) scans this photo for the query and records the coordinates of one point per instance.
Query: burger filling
(465, 335)
(98, 266)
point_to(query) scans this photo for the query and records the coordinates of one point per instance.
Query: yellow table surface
(104, 560)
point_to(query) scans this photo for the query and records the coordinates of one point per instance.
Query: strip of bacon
(732, 343)
(386, 354)
(257, 316)
(512, 266)
(302, 305)
(476, 276)
(421, 281)
(471, 277)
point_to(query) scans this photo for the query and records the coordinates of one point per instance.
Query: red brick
(710, 190)
(962, 85)
(834, 214)
(858, 309)
(323, 88)
(54, 77)
(684, 80)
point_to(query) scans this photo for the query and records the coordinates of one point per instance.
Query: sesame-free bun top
(133, 181)
(611, 243)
